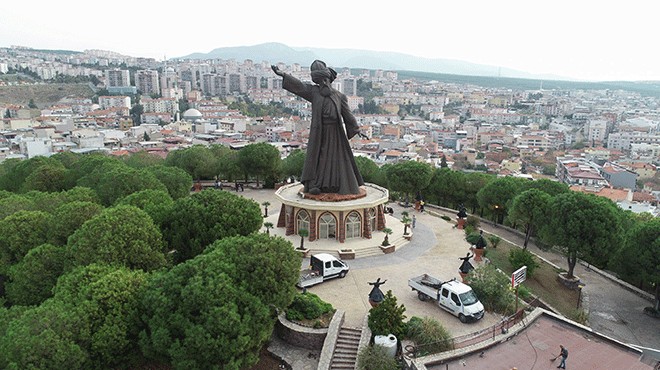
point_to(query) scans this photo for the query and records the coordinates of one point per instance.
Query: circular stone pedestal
(332, 216)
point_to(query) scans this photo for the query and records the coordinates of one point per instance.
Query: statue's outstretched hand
(363, 135)
(277, 71)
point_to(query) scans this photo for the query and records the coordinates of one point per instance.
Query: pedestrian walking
(414, 221)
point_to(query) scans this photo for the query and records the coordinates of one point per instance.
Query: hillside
(43, 95)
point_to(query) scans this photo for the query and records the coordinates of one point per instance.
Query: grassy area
(543, 283)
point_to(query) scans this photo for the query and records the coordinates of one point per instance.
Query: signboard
(518, 276)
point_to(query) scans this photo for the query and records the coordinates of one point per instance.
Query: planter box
(569, 283)
(388, 249)
(303, 252)
(408, 236)
(348, 254)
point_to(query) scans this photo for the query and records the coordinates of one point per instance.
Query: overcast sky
(581, 39)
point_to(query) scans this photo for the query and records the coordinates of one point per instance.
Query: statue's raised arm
(277, 70)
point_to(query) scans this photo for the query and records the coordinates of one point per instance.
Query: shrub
(492, 288)
(494, 240)
(522, 257)
(473, 237)
(445, 217)
(376, 358)
(472, 221)
(429, 335)
(307, 306)
(387, 318)
(523, 292)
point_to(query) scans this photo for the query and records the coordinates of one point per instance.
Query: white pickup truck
(453, 296)
(322, 266)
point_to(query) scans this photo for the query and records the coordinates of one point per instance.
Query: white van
(453, 296)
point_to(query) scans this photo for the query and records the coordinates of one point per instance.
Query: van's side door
(455, 302)
(443, 299)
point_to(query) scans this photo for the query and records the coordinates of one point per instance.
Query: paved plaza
(434, 249)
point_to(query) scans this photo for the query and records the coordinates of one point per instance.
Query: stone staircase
(346, 348)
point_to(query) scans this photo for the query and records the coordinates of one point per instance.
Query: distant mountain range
(409, 66)
(338, 58)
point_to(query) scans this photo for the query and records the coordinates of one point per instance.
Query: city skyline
(586, 40)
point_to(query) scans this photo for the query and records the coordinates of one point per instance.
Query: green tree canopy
(447, 187)
(259, 160)
(474, 181)
(387, 318)
(31, 280)
(122, 181)
(16, 173)
(81, 194)
(498, 194)
(89, 168)
(109, 298)
(367, 168)
(157, 203)
(530, 209)
(202, 218)
(266, 267)
(45, 337)
(638, 259)
(69, 217)
(197, 160)
(292, 165)
(14, 203)
(226, 162)
(177, 181)
(409, 177)
(143, 159)
(549, 186)
(49, 177)
(197, 318)
(584, 226)
(122, 235)
(21, 232)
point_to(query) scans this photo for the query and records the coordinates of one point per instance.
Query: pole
(516, 298)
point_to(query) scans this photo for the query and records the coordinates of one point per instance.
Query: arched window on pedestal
(327, 226)
(353, 225)
(302, 221)
(372, 219)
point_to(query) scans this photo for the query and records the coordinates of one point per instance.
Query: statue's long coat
(329, 163)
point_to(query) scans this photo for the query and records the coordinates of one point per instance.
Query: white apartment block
(597, 131)
(114, 101)
(162, 105)
(624, 140)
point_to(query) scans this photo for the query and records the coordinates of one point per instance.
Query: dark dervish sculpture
(462, 212)
(466, 266)
(481, 242)
(329, 164)
(376, 295)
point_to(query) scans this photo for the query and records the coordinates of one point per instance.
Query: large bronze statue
(329, 164)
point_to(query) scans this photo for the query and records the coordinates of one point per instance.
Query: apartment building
(117, 78)
(114, 101)
(618, 176)
(147, 82)
(577, 171)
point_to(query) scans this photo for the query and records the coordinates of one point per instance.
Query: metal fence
(463, 341)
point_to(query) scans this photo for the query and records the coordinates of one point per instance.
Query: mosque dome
(192, 114)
